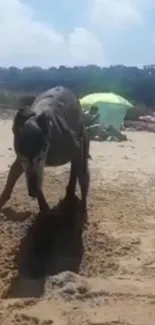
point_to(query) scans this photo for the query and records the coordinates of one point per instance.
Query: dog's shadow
(53, 244)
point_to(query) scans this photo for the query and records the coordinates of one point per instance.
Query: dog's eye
(22, 159)
(39, 159)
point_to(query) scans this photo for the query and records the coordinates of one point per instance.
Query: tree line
(133, 83)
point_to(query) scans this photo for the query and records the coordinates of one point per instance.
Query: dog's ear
(20, 119)
(44, 123)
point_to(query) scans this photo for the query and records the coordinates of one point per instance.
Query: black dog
(50, 132)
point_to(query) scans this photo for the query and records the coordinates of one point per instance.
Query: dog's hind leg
(83, 175)
(70, 190)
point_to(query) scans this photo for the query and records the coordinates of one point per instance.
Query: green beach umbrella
(112, 107)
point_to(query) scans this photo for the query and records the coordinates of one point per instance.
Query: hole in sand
(12, 215)
(52, 244)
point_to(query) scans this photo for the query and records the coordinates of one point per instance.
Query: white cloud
(126, 29)
(25, 41)
(109, 34)
(116, 13)
(85, 48)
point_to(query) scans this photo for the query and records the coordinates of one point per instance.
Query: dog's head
(31, 145)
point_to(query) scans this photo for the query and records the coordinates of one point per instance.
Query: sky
(69, 32)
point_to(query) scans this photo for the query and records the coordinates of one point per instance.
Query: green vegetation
(136, 85)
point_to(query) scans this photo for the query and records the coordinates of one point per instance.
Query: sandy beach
(107, 277)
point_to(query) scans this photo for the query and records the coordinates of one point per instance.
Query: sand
(107, 277)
